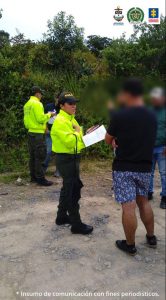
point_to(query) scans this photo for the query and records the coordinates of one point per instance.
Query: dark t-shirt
(135, 132)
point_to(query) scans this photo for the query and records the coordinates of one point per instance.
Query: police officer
(67, 143)
(35, 121)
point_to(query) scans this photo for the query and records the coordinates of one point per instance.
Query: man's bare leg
(129, 221)
(146, 214)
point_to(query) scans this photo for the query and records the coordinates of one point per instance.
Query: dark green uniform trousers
(68, 166)
(37, 152)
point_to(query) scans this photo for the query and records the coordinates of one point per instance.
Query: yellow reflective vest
(34, 117)
(64, 137)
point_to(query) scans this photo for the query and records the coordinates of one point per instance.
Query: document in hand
(95, 136)
(51, 120)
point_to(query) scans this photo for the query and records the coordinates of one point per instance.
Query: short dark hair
(133, 86)
(36, 89)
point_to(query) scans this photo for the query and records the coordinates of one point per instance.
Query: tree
(63, 37)
(142, 55)
(120, 57)
(96, 43)
(4, 38)
(151, 39)
(19, 39)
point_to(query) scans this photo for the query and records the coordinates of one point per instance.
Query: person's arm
(78, 130)
(164, 151)
(40, 116)
(61, 130)
(110, 137)
(47, 130)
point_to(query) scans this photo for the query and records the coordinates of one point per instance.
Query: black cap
(67, 97)
(36, 89)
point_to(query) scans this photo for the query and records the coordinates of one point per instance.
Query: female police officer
(67, 143)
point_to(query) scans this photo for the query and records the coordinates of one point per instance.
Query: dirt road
(42, 259)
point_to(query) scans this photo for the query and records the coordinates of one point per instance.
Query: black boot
(44, 182)
(150, 195)
(33, 180)
(81, 228)
(163, 202)
(62, 220)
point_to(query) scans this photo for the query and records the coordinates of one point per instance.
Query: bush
(63, 61)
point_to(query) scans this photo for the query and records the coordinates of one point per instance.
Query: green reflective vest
(64, 137)
(34, 117)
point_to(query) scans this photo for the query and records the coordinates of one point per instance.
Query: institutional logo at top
(153, 16)
(135, 15)
(118, 16)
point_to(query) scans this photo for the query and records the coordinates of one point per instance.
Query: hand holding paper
(92, 129)
(95, 136)
(53, 116)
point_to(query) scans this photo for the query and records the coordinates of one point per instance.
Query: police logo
(135, 15)
(118, 16)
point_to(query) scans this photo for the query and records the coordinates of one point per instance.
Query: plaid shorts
(127, 185)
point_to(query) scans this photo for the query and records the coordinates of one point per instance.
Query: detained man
(134, 129)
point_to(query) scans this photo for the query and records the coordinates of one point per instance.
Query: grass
(94, 165)
(11, 177)
(88, 165)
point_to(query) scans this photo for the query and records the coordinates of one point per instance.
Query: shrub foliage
(64, 60)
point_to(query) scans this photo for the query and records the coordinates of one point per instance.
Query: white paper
(95, 136)
(51, 120)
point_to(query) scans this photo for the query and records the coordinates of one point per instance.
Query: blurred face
(69, 108)
(123, 98)
(127, 99)
(158, 102)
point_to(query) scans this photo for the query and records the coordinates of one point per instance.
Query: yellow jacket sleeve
(62, 131)
(40, 116)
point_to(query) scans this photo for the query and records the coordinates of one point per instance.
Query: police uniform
(67, 144)
(35, 121)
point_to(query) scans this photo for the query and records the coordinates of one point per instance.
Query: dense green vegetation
(64, 60)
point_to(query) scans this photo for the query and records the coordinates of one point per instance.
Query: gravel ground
(42, 259)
